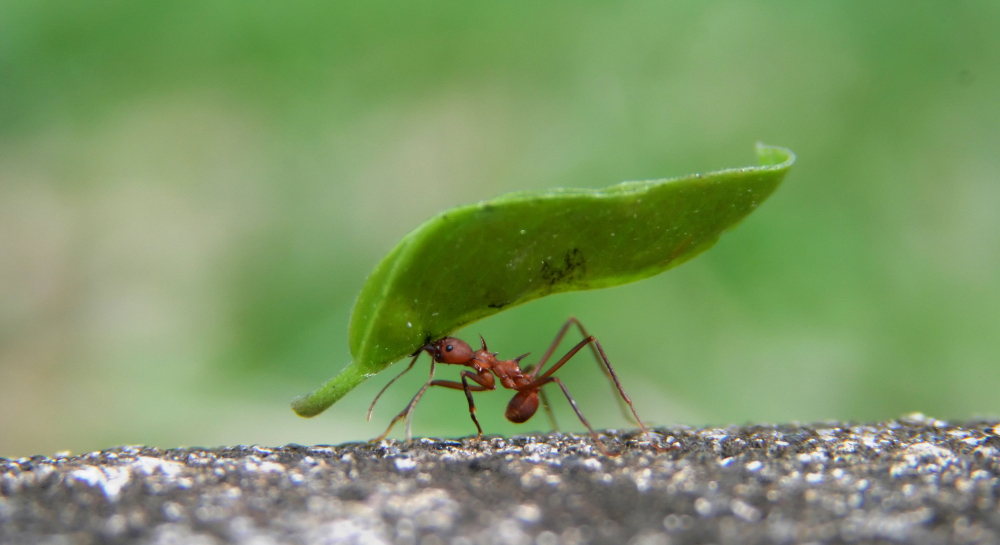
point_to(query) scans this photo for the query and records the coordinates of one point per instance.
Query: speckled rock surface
(914, 480)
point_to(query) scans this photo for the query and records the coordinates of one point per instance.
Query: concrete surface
(913, 480)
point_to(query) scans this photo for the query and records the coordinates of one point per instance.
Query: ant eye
(448, 348)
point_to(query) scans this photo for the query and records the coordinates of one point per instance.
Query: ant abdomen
(522, 407)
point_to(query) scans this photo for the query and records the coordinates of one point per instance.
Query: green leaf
(475, 260)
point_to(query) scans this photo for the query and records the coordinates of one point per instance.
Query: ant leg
(579, 414)
(386, 387)
(597, 359)
(552, 348)
(413, 404)
(611, 371)
(464, 385)
(407, 412)
(562, 361)
(548, 410)
(609, 376)
(472, 404)
(532, 370)
(621, 390)
(458, 386)
(385, 434)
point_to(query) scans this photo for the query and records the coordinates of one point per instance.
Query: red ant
(527, 382)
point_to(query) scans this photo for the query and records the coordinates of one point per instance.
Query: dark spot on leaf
(571, 268)
(497, 305)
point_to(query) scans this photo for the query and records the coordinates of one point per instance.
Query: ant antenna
(386, 387)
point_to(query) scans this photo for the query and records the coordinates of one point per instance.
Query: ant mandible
(526, 382)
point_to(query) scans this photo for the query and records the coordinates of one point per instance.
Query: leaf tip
(774, 156)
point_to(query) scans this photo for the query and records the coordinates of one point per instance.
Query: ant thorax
(510, 374)
(483, 361)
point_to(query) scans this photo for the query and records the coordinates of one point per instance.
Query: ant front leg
(407, 412)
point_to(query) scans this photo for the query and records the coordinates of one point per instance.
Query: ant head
(451, 350)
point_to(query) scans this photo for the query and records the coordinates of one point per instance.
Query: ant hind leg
(611, 371)
(572, 402)
(548, 410)
(534, 370)
(621, 390)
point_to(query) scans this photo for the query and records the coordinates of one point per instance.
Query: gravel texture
(913, 480)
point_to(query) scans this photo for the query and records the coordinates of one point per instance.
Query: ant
(527, 382)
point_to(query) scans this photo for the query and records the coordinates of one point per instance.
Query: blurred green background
(191, 195)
